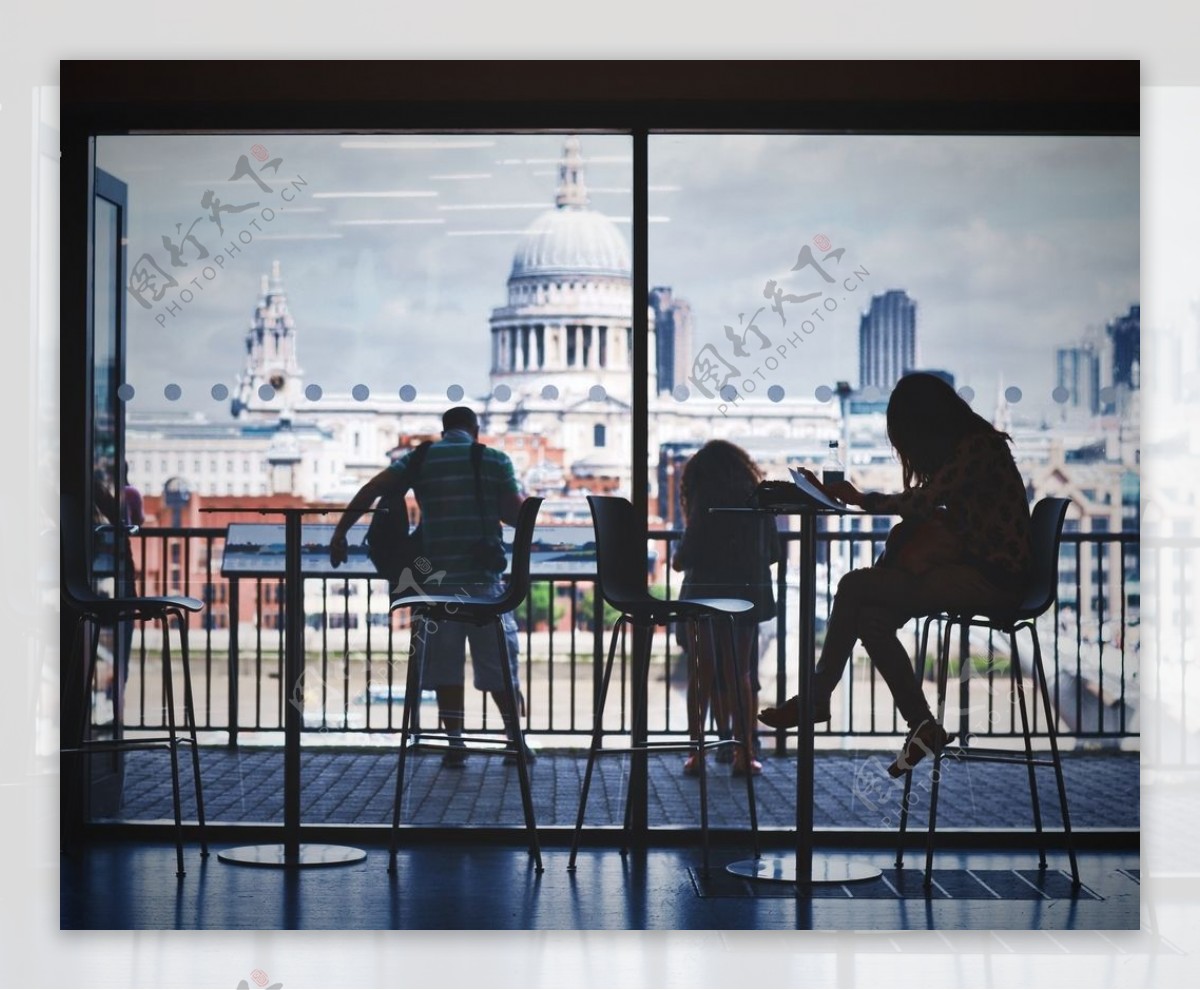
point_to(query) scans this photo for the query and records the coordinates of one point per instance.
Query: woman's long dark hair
(926, 420)
(719, 473)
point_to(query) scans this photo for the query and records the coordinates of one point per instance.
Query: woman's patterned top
(985, 501)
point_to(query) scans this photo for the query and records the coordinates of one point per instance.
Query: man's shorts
(444, 647)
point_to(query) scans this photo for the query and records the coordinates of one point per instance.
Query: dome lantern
(572, 189)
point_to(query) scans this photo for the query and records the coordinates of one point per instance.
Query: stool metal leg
(510, 693)
(412, 698)
(943, 671)
(747, 731)
(639, 684)
(1039, 673)
(597, 739)
(1019, 680)
(173, 742)
(920, 675)
(189, 714)
(698, 742)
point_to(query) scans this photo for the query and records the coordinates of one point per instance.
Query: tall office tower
(1077, 369)
(887, 340)
(1125, 332)
(673, 329)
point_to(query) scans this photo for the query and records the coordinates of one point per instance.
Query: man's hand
(339, 549)
(386, 482)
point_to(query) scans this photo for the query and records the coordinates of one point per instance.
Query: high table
(804, 864)
(291, 852)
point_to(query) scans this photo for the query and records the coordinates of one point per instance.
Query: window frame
(636, 98)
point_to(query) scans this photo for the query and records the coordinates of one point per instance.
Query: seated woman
(961, 480)
(725, 555)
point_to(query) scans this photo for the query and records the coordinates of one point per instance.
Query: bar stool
(621, 581)
(100, 611)
(477, 611)
(1046, 525)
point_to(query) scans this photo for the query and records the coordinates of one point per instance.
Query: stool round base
(274, 854)
(825, 869)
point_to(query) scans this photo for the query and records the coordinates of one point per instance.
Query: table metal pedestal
(817, 868)
(291, 853)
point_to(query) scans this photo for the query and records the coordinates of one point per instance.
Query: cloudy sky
(394, 250)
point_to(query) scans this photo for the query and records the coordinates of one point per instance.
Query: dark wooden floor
(132, 885)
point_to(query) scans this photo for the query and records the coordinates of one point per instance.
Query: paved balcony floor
(853, 791)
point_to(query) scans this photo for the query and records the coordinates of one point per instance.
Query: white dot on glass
(597, 393)
(454, 393)
(172, 392)
(266, 393)
(125, 392)
(503, 393)
(219, 392)
(361, 393)
(550, 392)
(407, 393)
(967, 394)
(681, 393)
(775, 393)
(1012, 394)
(1060, 394)
(729, 393)
(823, 393)
(313, 393)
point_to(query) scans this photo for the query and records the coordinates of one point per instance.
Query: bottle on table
(833, 469)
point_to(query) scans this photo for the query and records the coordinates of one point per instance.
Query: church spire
(270, 381)
(572, 189)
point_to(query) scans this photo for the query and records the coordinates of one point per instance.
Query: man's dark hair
(460, 418)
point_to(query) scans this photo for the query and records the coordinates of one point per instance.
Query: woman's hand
(843, 491)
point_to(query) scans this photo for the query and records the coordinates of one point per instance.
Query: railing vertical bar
(281, 621)
(1101, 551)
(345, 657)
(1078, 634)
(367, 666)
(551, 603)
(235, 603)
(258, 657)
(1124, 634)
(208, 627)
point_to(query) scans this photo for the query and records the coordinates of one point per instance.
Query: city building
(673, 332)
(1077, 378)
(887, 340)
(1125, 332)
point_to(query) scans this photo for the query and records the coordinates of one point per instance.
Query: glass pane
(797, 277)
(302, 308)
(106, 376)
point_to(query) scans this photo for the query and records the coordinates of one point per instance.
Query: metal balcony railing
(357, 654)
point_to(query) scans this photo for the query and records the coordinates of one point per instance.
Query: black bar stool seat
(101, 611)
(476, 611)
(621, 582)
(1046, 525)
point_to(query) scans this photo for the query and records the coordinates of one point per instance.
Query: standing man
(460, 520)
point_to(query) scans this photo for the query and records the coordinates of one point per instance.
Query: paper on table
(812, 492)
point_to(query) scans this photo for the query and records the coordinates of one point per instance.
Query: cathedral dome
(571, 239)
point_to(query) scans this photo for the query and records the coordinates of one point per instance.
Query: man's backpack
(391, 546)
